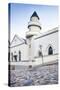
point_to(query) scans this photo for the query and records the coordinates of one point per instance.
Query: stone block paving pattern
(38, 75)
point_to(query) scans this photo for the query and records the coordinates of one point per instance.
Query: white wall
(34, 29)
(46, 41)
(24, 51)
(38, 61)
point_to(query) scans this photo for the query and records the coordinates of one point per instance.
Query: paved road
(39, 75)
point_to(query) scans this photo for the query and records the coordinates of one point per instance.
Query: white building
(38, 48)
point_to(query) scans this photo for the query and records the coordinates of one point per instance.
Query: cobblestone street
(38, 75)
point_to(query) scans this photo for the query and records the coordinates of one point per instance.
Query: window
(9, 56)
(50, 51)
(15, 58)
(12, 56)
(19, 56)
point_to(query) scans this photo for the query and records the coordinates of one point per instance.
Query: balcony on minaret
(34, 23)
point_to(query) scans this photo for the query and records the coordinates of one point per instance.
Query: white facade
(38, 48)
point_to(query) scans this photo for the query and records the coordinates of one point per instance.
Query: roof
(35, 14)
(56, 29)
(17, 41)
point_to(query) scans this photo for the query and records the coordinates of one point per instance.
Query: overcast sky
(20, 15)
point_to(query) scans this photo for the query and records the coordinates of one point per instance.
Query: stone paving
(38, 75)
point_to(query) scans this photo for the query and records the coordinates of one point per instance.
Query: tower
(34, 29)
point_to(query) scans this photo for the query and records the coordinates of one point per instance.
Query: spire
(35, 14)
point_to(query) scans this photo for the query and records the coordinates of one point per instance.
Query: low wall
(37, 61)
(47, 58)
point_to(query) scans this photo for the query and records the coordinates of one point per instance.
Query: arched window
(50, 51)
(19, 56)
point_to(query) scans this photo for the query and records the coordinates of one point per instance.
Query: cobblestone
(39, 75)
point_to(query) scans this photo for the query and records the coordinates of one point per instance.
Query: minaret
(34, 29)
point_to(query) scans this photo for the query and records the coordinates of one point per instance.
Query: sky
(20, 15)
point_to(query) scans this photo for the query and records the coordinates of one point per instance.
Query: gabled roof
(35, 14)
(16, 41)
